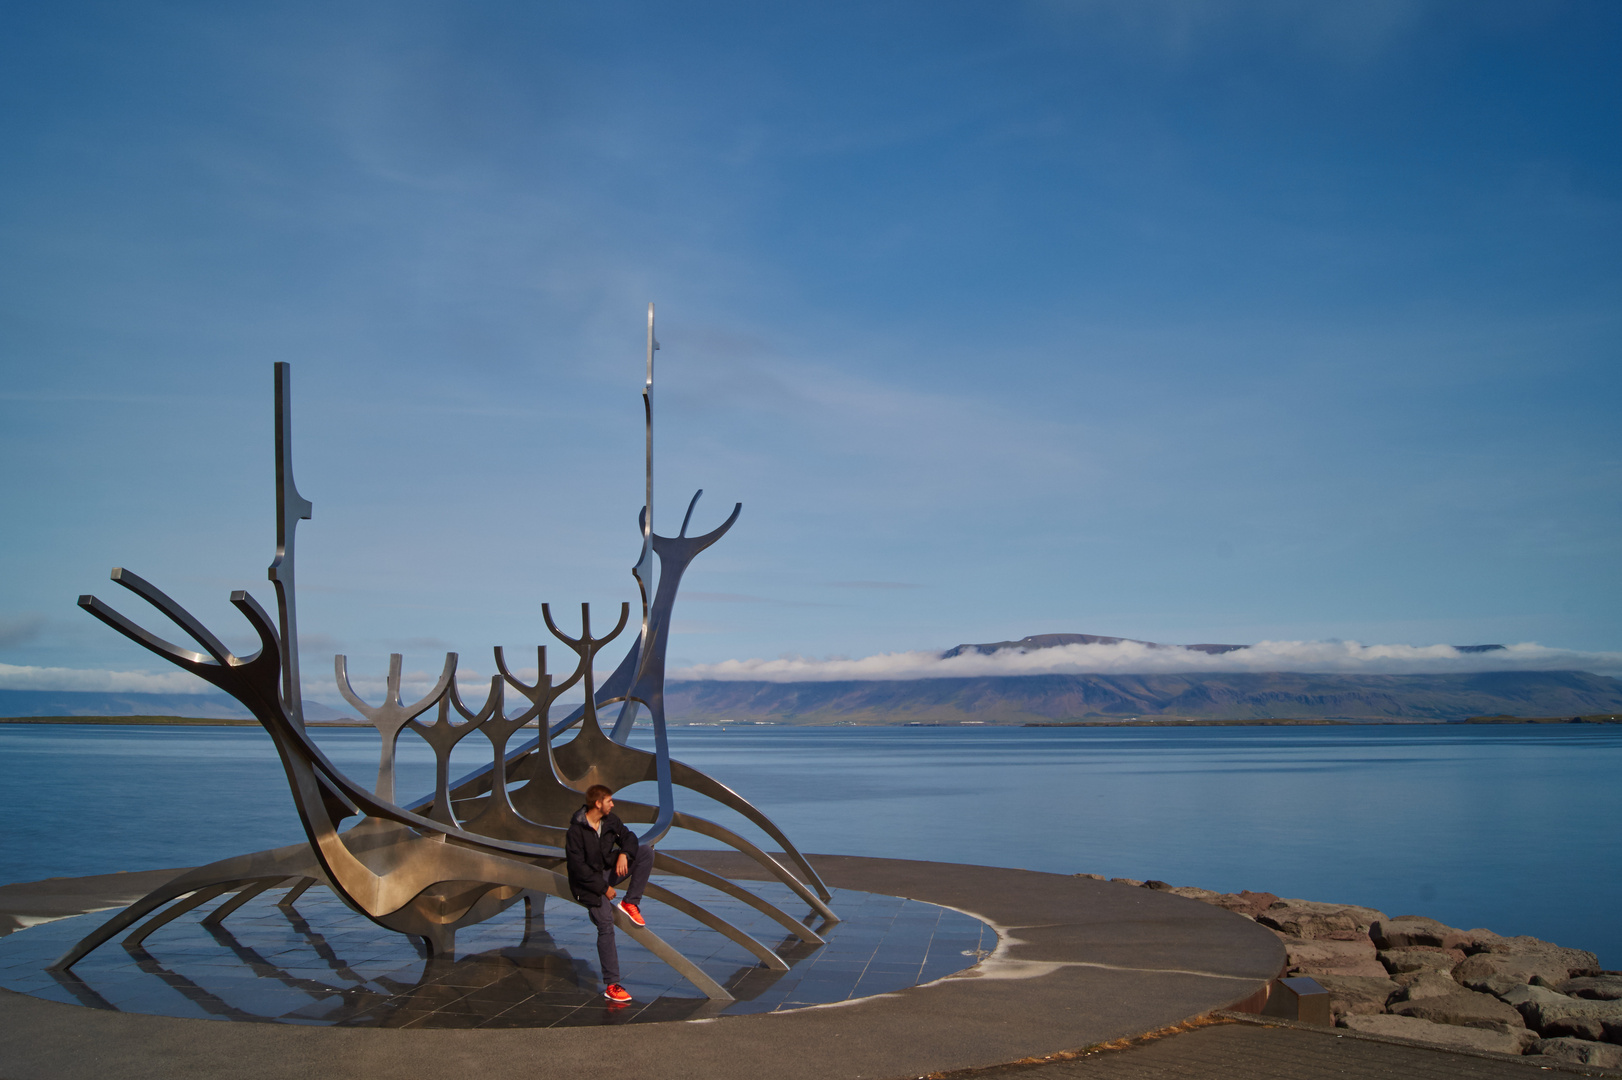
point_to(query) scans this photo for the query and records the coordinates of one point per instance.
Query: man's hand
(622, 866)
(610, 893)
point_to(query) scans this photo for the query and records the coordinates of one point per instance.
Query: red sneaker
(633, 913)
(617, 994)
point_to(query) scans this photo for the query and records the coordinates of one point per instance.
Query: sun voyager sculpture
(485, 841)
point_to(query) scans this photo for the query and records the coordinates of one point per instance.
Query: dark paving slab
(531, 966)
(1257, 1052)
(1079, 963)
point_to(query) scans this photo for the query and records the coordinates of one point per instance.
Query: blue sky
(1172, 320)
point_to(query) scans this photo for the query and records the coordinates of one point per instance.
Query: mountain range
(1016, 699)
(215, 706)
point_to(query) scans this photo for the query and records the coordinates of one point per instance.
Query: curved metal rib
(175, 613)
(592, 758)
(716, 923)
(223, 912)
(534, 766)
(632, 811)
(196, 899)
(547, 796)
(547, 800)
(498, 817)
(391, 717)
(525, 828)
(658, 947)
(694, 780)
(443, 735)
(673, 865)
(288, 860)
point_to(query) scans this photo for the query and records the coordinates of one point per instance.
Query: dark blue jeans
(608, 954)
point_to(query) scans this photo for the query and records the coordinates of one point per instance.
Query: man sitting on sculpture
(602, 853)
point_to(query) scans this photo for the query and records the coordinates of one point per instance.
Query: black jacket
(592, 857)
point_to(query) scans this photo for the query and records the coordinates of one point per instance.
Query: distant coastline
(1317, 722)
(1161, 722)
(164, 721)
(1004, 700)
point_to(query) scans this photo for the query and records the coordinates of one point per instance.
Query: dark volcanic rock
(1328, 957)
(1554, 1015)
(1315, 919)
(1463, 1038)
(1464, 1009)
(1407, 931)
(1578, 1052)
(1526, 944)
(1502, 969)
(1420, 958)
(1418, 985)
(1310, 924)
(1598, 987)
(1359, 995)
(1193, 893)
(1246, 902)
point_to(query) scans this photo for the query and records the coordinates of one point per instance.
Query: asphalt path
(1079, 963)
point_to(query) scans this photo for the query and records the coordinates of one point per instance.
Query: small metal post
(1298, 998)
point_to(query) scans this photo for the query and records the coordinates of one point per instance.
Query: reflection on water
(324, 964)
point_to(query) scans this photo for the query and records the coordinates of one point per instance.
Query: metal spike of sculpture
(478, 845)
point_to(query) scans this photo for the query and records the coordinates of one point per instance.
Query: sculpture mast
(643, 570)
(291, 508)
(647, 518)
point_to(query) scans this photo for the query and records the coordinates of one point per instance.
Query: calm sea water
(1518, 829)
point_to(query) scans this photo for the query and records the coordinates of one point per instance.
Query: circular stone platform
(1077, 962)
(322, 963)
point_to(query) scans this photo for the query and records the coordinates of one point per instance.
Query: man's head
(600, 797)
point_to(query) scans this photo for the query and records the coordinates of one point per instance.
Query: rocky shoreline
(1415, 978)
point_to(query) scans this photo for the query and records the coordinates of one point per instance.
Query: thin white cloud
(20, 629)
(873, 585)
(1182, 29)
(745, 598)
(13, 677)
(473, 685)
(1133, 658)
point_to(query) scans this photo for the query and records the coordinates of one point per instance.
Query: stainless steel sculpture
(480, 844)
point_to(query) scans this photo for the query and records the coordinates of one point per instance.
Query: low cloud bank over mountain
(1083, 654)
(18, 677)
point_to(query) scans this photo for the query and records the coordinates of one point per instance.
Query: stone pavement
(1082, 964)
(1256, 1051)
(532, 966)
(1079, 962)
